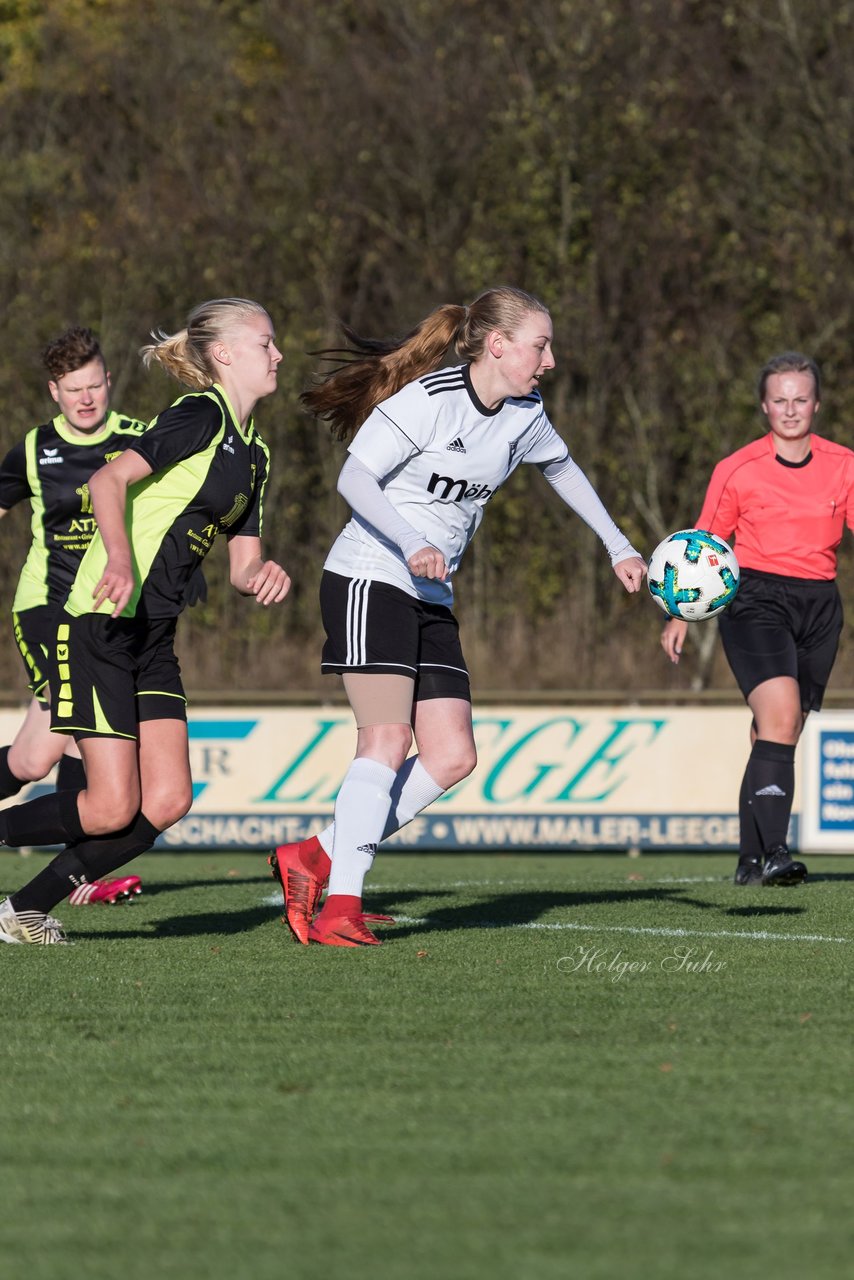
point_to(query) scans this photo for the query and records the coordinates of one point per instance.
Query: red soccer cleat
(301, 888)
(378, 919)
(124, 888)
(342, 931)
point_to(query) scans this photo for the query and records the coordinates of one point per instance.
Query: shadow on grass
(216, 924)
(151, 888)
(751, 908)
(777, 910)
(497, 911)
(523, 908)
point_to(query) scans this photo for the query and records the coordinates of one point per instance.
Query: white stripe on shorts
(357, 621)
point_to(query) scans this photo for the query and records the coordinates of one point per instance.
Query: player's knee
(463, 763)
(388, 743)
(30, 764)
(102, 817)
(167, 807)
(783, 728)
(457, 761)
(400, 741)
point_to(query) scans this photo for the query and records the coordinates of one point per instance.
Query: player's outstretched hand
(116, 584)
(427, 562)
(631, 572)
(270, 584)
(673, 638)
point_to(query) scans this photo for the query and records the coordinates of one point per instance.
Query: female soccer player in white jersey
(429, 448)
(787, 498)
(199, 470)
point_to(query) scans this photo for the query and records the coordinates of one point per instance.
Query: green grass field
(556, 1065)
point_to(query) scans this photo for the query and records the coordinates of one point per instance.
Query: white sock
(413, 790)
(361, 810)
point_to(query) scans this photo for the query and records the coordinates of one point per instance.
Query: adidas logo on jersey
(773, 790)
(50, 456)
(456, 446)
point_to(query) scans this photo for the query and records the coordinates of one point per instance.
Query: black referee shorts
(109, 674)
(780, 626)
(372, 626)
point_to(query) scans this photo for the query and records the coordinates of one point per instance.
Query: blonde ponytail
(186, 354)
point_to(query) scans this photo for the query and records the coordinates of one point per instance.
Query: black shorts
(780, 626)
(35, 632)
(109, 674)
(372, 626)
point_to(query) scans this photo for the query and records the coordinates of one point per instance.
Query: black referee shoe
(781, 869)
(748, 871)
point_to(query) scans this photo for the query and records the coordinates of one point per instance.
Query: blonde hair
(372, 370)
(185, 354)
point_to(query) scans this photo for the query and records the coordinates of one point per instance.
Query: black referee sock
(749, 840)
(71, 774)
(10, 784)
(50, 886)
(50, 819)
(771, 783)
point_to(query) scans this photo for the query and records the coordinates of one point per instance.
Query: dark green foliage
(673, 179)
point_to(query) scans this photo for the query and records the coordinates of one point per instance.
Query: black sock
(101, 855)
(749, 840)
(10, 783)
(89, 860)
(771, 782)
(71, 774)
(50, 819)
(50, 886)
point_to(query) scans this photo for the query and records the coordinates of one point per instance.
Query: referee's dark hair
(789, 362)
(70, 351)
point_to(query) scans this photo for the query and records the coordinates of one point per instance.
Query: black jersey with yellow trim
(50, 469)
(208, 477)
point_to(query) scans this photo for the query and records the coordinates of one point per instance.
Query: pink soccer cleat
(123, 888)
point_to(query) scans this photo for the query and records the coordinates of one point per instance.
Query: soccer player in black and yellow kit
(200, 469)
(50, 469)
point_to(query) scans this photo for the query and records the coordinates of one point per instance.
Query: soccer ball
(693, 575)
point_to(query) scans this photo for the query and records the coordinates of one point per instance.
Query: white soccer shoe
(29, 926)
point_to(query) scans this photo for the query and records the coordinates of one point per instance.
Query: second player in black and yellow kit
(199, 470)
(50, 469)
(208, 474)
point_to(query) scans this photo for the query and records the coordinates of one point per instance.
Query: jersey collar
(475, 398)
(63, 430)
(246, 433)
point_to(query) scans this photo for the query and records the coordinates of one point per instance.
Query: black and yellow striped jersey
(208, 477)
(50, 468)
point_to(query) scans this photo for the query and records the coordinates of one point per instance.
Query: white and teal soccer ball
(693, 575)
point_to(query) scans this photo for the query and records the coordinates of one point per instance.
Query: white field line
(754, 935)
(376, 886)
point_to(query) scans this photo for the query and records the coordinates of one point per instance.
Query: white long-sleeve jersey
(439, 455)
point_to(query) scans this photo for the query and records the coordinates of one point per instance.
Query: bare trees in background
(671, 176)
